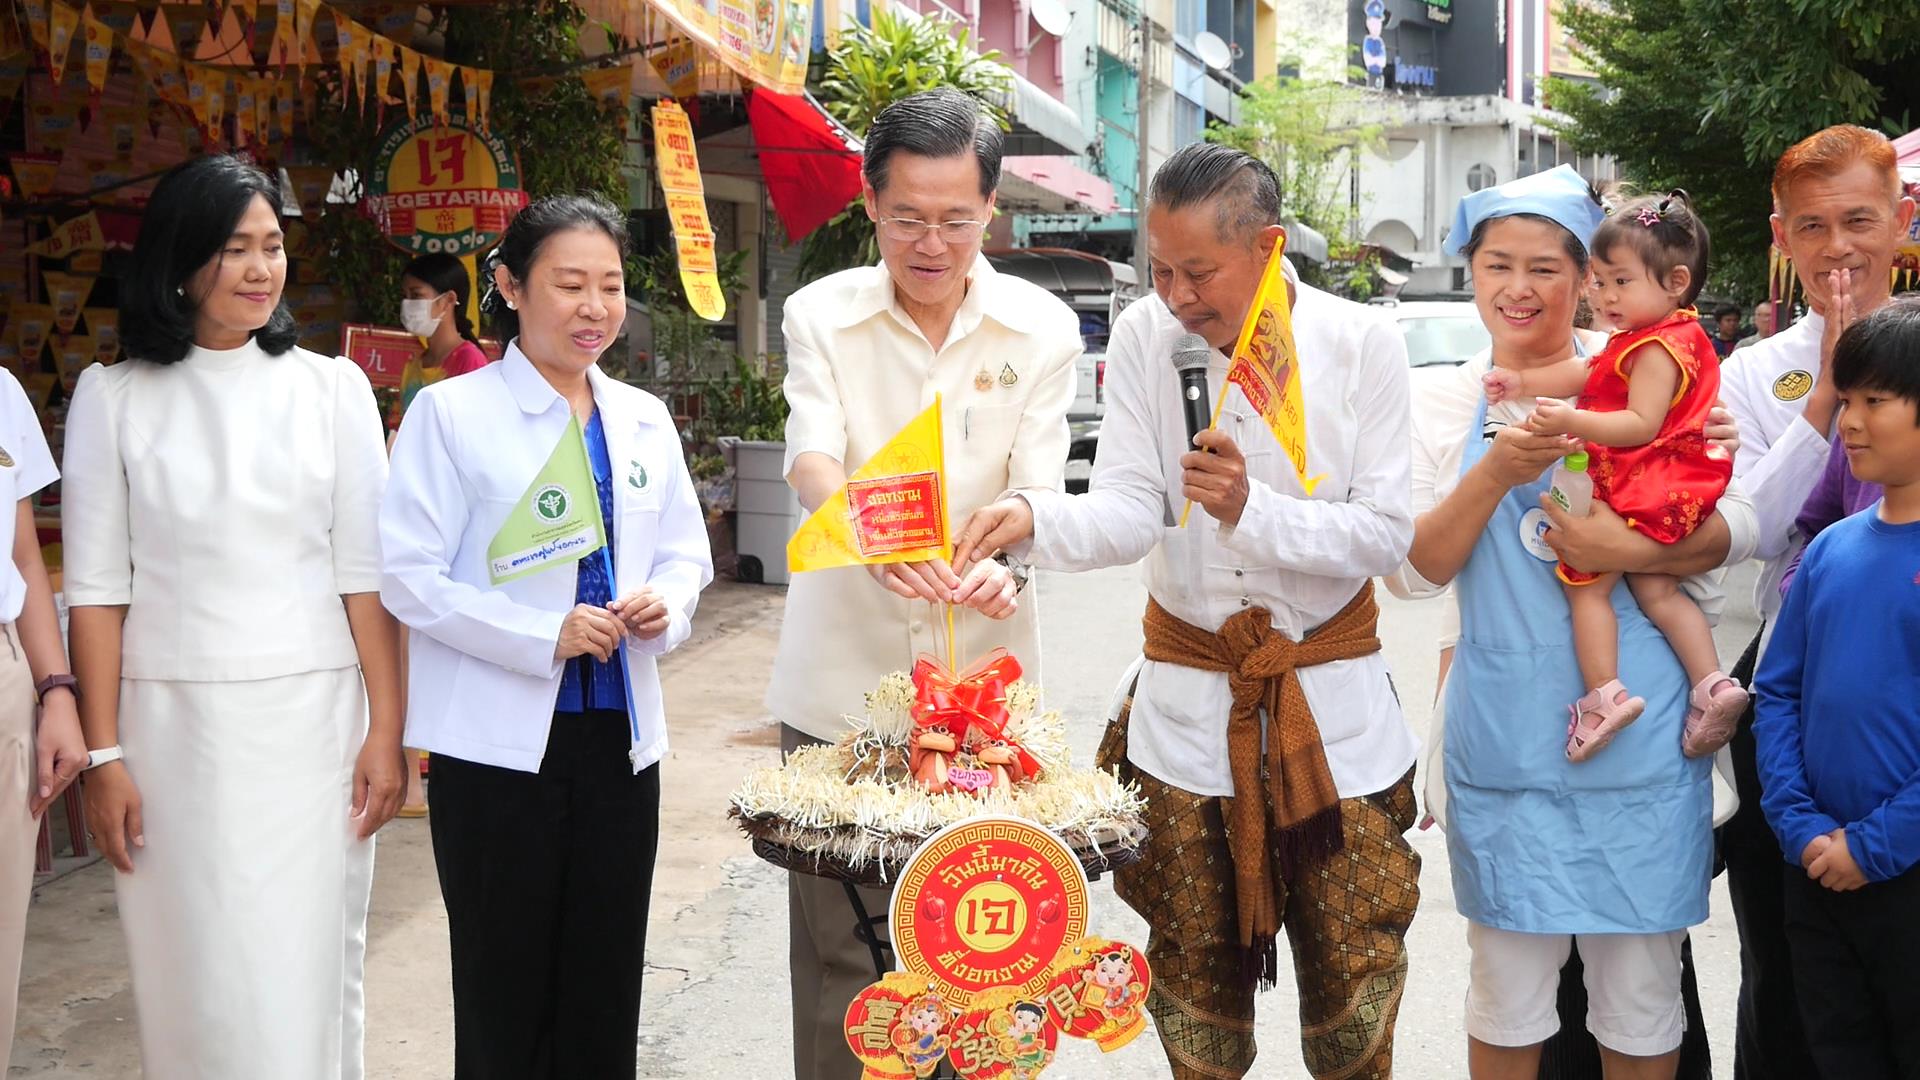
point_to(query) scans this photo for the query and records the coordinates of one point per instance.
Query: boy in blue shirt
(1838, 728)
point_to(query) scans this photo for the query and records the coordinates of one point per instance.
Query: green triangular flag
(557, 521)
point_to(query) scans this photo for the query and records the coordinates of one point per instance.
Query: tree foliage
(1310, 132)
(873, 67)
(1706, 95)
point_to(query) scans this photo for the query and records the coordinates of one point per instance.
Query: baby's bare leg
(1668, 607)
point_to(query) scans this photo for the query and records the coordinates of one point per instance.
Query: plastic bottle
(1572, 488)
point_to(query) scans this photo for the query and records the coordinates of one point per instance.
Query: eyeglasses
(908, 230)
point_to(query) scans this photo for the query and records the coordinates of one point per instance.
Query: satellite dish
(1052, 16)
(1214, 52)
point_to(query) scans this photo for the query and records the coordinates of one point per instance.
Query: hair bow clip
(1649, 216)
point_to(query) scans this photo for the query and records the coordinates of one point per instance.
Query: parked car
(1097, 290)
(1439, 333)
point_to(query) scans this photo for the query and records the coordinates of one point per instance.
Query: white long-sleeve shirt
(1301, 557)
(482, 675)
(1765, 386)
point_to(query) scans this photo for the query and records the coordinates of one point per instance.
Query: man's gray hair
(1247, 190)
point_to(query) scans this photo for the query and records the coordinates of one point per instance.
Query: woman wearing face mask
(239, 678)
(546, 798)
(436, 288)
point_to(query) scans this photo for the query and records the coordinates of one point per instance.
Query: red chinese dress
(1665, 488)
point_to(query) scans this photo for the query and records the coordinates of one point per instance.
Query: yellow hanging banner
(687, 208)
(892, 509)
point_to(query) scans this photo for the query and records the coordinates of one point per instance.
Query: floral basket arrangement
(935, 748)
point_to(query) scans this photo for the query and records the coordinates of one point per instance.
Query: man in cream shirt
(867, 350)
(1260, 560)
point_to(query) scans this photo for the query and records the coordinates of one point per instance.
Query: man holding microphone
(1261, 613)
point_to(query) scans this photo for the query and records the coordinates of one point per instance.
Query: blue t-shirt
(588, 683)
(1838, 717)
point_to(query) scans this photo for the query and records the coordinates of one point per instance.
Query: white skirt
(246, 912)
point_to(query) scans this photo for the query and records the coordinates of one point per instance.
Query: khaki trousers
(828, 964)
(19, 829)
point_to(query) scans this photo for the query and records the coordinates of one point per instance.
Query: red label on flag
(896, 513)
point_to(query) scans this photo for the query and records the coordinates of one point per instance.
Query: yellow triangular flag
(893, 508)
(65, 22)
(409, 77)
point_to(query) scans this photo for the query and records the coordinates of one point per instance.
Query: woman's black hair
(1882, 352)
(446, 274)
(520, 246)
(194, 210)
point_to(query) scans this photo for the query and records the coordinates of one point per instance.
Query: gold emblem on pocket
(6, 459)
(1793, 386)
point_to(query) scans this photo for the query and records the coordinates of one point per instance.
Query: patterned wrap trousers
(1346, 921)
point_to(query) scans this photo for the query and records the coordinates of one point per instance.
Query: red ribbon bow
(974, 699)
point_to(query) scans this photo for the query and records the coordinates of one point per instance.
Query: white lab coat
(482, 674)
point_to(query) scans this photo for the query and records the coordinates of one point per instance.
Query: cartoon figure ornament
(897, 1027)
(1099, 992)
(922, 1037)
(1003, 1035)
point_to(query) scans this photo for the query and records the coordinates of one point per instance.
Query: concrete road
(717, 1003)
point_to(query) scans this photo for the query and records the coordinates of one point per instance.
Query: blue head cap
(1560, 195)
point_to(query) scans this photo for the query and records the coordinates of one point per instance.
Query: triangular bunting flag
(892, 509)
(470, 90)
(439, 88)
(409, 76)
(286, 42)
(65, 21)
(304, 43)
(608, 86)
(160, 33)
(225, 45)
(99, 53)
(249, 15)
(284, 92)
(244, 113)
(484, 79)
(37, 18)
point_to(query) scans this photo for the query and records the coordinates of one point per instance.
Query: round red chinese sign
(988, 902)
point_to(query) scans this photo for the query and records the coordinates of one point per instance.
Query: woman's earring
(180, 290)
(511, 306)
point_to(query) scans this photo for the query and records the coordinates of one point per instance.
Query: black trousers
(546, 878)
(1574, 1054)
(1769, 1041)
(1856, 956)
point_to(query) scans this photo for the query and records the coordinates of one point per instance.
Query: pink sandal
(1718, 703)
(1611, 710)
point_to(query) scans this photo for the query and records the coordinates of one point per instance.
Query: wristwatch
(1022, 572)
(97, 758)
(55, 682)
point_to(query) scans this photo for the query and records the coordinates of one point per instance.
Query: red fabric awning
(811, 163)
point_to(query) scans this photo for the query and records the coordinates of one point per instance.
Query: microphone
(1191, 355)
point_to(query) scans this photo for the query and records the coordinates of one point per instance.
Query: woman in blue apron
(1614, 852)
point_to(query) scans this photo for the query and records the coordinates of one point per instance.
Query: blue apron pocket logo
(1533, 535)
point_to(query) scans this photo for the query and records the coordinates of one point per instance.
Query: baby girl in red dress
(1642, 412)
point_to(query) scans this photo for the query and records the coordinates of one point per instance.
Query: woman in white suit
(546, 782)
(222, 566)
